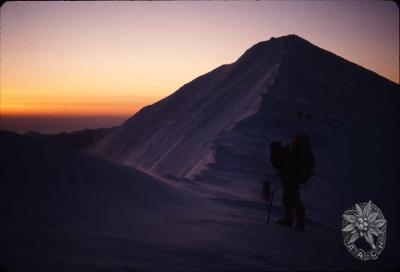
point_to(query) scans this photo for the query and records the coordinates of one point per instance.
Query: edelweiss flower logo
(363, 224)
(364, 221)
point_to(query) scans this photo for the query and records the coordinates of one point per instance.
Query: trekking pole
(273, 192)
(270, 205)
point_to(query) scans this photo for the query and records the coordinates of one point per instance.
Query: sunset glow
(71, 59)
(73, 105)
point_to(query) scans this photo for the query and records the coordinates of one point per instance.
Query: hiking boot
(301, 219)
(288, 220)
(299, 227)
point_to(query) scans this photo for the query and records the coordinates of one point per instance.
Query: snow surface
(66, 211)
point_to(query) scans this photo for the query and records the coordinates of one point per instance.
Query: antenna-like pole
(304, 118)
(308, 118)
(300, 116)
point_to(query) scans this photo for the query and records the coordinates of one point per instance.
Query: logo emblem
(364, 231)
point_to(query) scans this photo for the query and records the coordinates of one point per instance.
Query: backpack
(304, 163)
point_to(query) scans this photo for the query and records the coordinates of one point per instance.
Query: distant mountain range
(80, 139)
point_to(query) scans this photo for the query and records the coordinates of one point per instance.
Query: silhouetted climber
(295, 165)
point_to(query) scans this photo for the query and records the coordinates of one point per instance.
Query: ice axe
(269, 196)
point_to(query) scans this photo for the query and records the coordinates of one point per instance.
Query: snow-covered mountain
(218, 126)
(175, 135)
(215, 130)
(195, 202)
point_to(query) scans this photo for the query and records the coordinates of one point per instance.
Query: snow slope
(53, 197)
(175, 134)
(62, 210)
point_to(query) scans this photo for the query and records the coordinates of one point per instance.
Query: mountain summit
(217, 127)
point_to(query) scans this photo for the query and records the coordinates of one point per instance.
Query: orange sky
(73, 105)
(112, 58)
